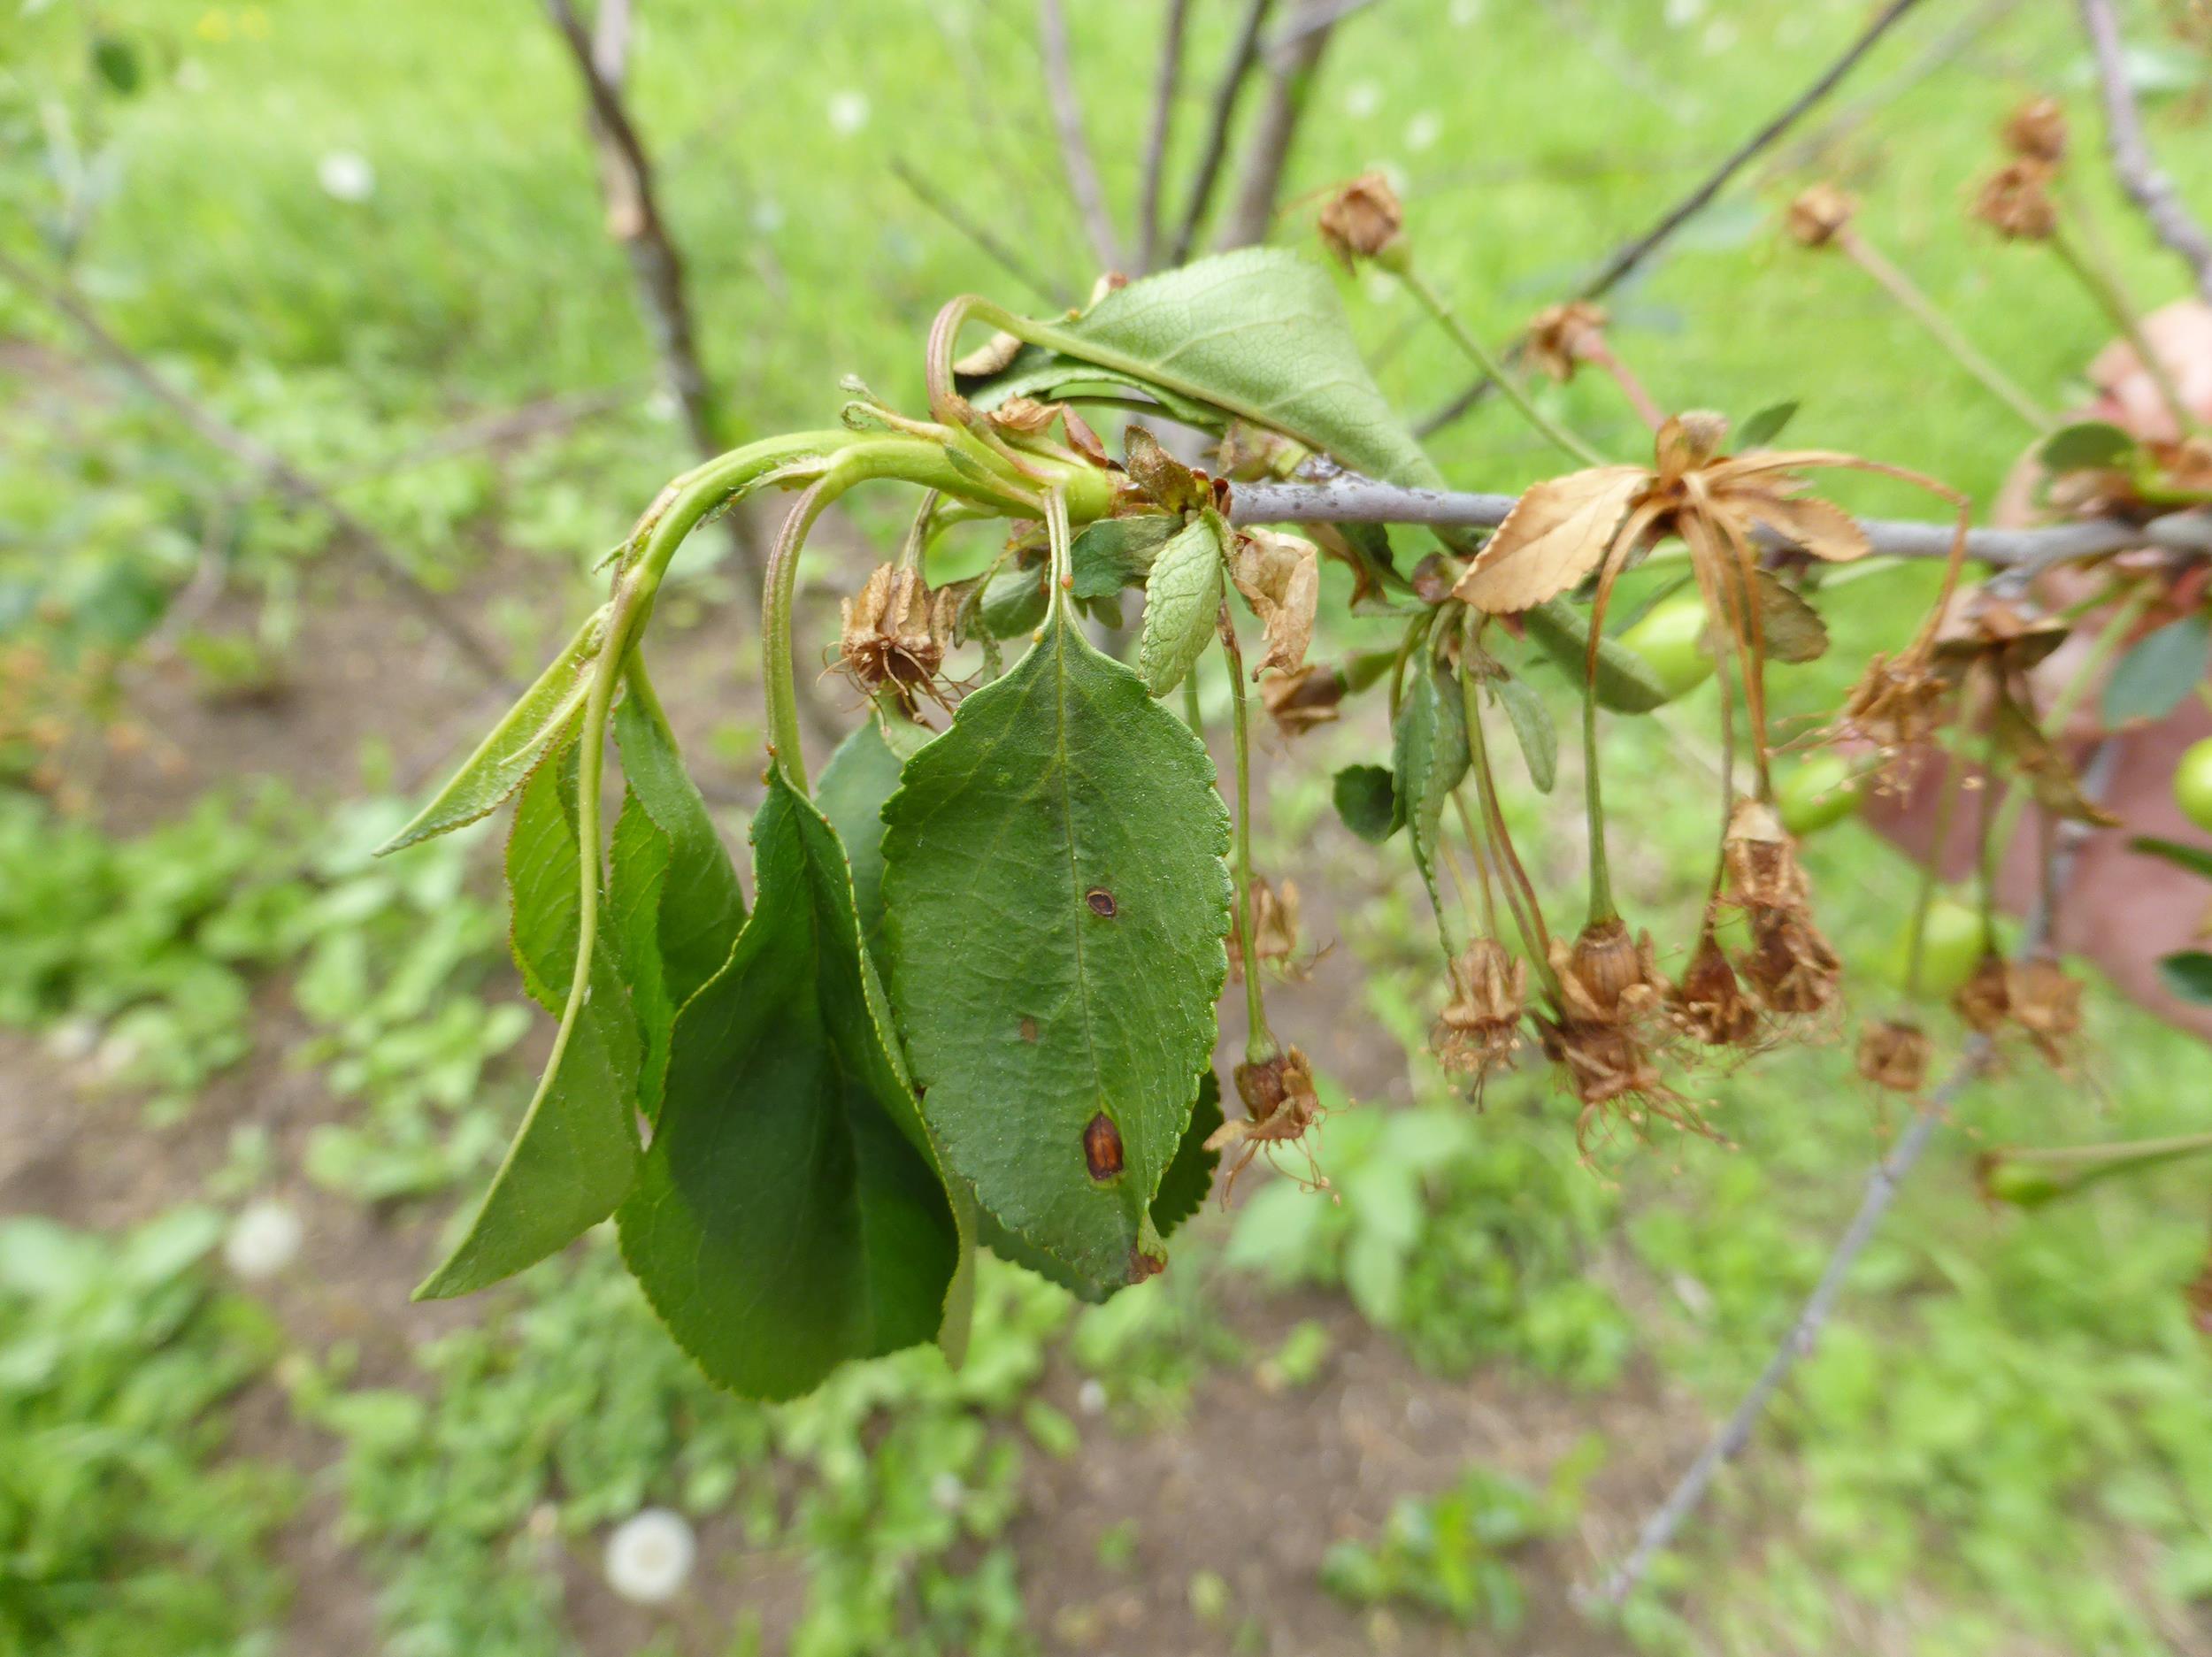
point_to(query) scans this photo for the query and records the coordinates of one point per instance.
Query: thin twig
(1938, 56)
(257, 457)
(1881, 1189)
(1939, 327)
(1289, 83)
(2140, 175)
(1625, 259)
(1242, 55)
(634, 219)
(1167, 76)
(1351, 499)
(989, 244)
(1075, 144)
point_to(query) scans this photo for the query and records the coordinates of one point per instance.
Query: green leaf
(1764, 427)
(2086, 446)
(1183, 1190)
(1013, 602)
(1429, 758)
(2158, 672)
(1626, 682)
(118, 64)
(544, 715)
(1057, 898)
(1259, 332)
(1533, 728)
(576, 1153)
(1182, 599)
(2196, 859)
(859, 778)
(2187, 977)
(1190, 1177)
(1367, 802)
(1116, 552)
(674, 905)
(790, 1216)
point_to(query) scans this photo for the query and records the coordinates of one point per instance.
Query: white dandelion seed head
(1466, 13)
(1423, 130)
(346, 176)
(1090, 1398)
(768, 216)
(1361, 99)
(263, 1239)
(848, 112)
(947, 1493)
(1681, 13)
(649, 1556)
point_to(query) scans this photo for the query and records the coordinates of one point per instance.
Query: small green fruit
(1671, 640)
(2193, 784)
(1817, 794)
(1951, 949)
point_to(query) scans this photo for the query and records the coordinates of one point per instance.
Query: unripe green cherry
(1815, 793)
(2193, 784)
(1952, 948)
(1671, 637)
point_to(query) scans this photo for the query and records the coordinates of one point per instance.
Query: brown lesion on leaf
(1101, 1147)
(1029, 1029)
(1101, 903)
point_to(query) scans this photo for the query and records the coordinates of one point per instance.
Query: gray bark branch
(1350, 499)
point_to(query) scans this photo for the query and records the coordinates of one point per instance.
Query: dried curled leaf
(1281, 578)
(1825, 531)
(1163, 478)
(1555, 535)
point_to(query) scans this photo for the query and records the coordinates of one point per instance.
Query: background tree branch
(634, 219)
(267, 463)
(1075, 145)
(1243, 54)
(1625, 259)
(2147, 187)
(1167, 76)
(1289, 83)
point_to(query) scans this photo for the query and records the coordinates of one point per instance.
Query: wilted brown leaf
(1555, 535)
(1163, 478)
(1281, 578)
(1825, 531)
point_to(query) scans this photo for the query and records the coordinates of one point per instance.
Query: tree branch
(1625, 259)
(1242, 55)
(1881, 1188)
(634, 219)
(1351, 499)
(1322, 14)
(1166, 79)
(999, 252)
(1291, 79)
(1075, 145)
(257, 457)
(2148, 188)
